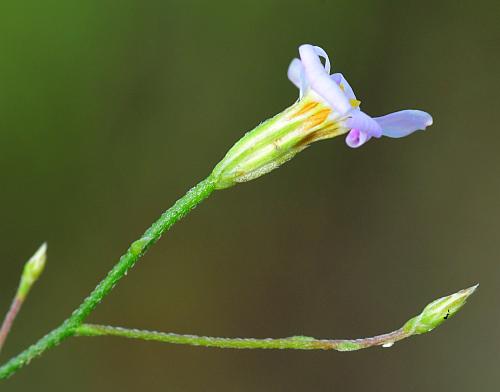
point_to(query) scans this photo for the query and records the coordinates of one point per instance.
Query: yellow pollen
(354, 103)
(342, 87)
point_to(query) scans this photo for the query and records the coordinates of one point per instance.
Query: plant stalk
(15, 307)
(137, 249)
(293, 342)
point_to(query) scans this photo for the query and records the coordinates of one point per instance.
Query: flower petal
(342, 82)
(404, 122)
(363, 122)
(356, 138)
(295, 72)
(320, 52)
(336, 77)
(320, 80)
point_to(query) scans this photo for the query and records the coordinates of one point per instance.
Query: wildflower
(327, 107)
(312, 77)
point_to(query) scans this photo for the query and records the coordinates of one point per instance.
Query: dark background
(110, 110)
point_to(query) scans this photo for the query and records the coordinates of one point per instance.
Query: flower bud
(437, 312)
(32, 271)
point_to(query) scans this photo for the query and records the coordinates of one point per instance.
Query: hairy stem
(293, 342)
(181, 208)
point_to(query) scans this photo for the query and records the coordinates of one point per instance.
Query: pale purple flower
(310, 75)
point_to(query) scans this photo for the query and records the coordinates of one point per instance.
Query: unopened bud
(32, 271)
(437, 312)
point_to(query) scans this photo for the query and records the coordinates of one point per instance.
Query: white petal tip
(41, 250)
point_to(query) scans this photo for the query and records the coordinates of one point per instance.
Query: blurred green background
(111, 110)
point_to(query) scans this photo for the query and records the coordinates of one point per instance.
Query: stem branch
(293, 342)
(15, 307)
(181, 208)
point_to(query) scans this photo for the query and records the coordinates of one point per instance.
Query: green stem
(433, 315)
(181, 208)
(293, 342)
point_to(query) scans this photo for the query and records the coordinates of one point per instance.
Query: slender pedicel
(432, 316)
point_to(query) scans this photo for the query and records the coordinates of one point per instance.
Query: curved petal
(295, 72)
(320, 52)
(363, 122)
(356, 138)
(348, 91)
(336, 77)
(320, 80)
(404, 122)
